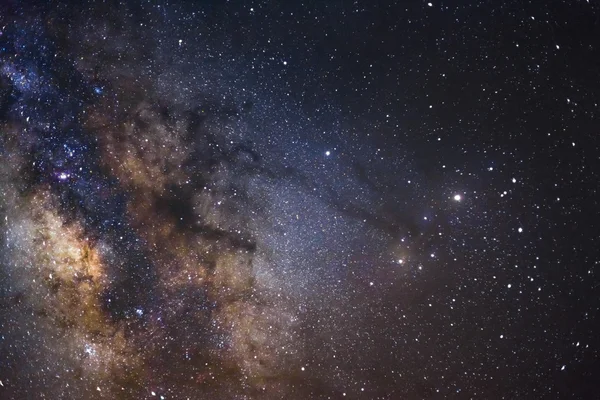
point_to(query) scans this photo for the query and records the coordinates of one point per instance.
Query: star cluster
(299, 200)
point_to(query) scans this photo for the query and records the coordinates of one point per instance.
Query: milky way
(267, 201)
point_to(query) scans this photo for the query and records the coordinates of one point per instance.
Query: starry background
(319, 199)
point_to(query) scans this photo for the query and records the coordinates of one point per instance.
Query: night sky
(299, 200)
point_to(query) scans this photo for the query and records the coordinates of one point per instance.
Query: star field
(299, 200)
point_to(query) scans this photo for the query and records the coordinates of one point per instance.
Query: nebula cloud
(130, 255)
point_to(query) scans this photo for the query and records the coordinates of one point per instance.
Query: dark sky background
(299, 200)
